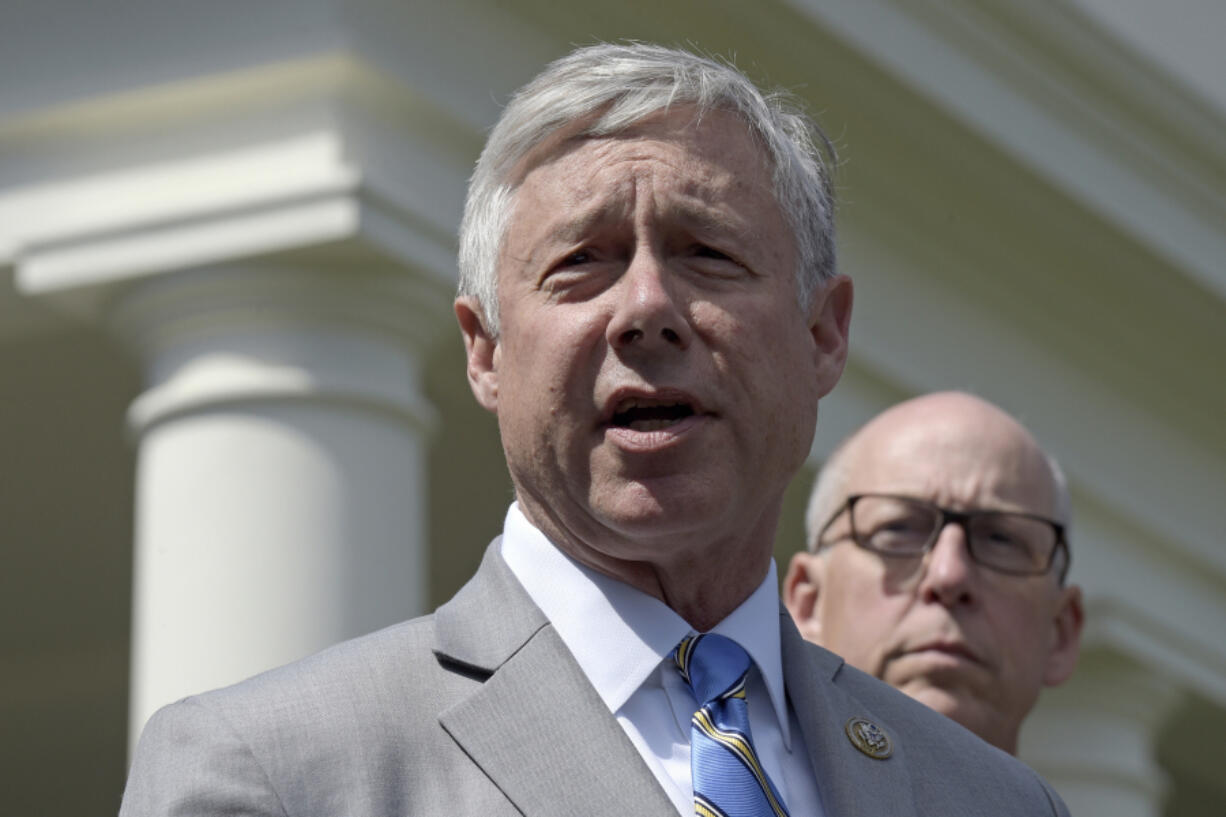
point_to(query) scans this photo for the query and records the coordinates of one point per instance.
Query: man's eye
(1002, 539)
(704, 251)
(576, 258)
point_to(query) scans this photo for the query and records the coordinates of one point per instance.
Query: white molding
(355, 157)
(42, 218)
(1183, 38)
(1078, 142)
(129, 255)
(1185, 650)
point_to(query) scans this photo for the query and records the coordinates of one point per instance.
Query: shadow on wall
(66, 533)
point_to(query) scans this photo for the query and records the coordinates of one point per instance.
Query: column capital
(255, 332)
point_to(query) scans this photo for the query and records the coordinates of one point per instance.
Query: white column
(1093, 738)
(280, 489)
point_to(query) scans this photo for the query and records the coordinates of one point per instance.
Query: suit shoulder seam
(198, 704)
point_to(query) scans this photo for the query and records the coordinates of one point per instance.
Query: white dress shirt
(623, 638)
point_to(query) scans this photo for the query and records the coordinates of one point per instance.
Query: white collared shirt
(622, 639)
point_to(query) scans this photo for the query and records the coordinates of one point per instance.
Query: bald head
(953, 429)
(974, 637)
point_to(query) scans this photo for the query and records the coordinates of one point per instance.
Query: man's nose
(948, 572)
(648, 311)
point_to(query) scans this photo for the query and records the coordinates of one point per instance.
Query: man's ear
(1066, 637)
(482, 351)
(801, 585)
(830, 324)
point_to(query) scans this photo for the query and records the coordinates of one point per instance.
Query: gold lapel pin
(869, 738)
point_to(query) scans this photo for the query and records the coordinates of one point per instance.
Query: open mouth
(640, 414)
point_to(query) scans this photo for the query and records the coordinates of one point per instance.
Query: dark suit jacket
(480, 709)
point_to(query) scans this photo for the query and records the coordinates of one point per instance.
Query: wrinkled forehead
(960, 464)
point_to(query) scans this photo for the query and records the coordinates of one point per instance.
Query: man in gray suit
(649, 305)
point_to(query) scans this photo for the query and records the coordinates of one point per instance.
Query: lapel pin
(869, 738)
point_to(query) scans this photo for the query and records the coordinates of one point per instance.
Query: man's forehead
(952, 459)
(583, 181)
(582, 210)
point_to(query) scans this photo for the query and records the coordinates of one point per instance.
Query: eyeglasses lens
(893, 526)
(1012, 543)
(1009, 542)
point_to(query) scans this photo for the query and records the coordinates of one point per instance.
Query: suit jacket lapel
(536, 726)
(849, 781)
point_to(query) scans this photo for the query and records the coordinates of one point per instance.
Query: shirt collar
(619, 635)
(755, 626)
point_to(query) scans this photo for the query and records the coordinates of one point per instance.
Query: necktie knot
(714, 666)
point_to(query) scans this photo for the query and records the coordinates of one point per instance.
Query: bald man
(937, 555)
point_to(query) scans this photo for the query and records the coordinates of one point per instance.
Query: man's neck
(702, 577)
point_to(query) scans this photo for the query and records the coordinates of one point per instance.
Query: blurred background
(234, 422)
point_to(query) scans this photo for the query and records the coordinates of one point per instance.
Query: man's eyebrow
(709, 220)
(712, 223)
(569, 227)
(575, 223)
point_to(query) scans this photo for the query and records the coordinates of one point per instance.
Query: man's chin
(652, 508)
(948, 703)
(965, 709)
(954, 702)
(648, 530)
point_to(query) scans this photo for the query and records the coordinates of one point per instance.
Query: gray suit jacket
(481, 709)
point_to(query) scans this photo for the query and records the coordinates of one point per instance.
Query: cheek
(858, 619)
(767, 364)
(551, 349)
(1024, 630)
(787, 369)
(531, 400)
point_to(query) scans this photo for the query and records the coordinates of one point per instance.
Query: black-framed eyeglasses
(905, 527)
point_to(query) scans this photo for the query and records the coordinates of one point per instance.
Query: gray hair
(829, 491)
(1063, 505)
(606, 89)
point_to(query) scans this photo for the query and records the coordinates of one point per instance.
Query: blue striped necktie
(728, 779)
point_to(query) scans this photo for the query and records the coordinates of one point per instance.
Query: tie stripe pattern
(729, 781)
